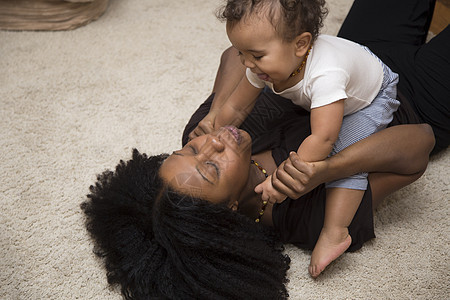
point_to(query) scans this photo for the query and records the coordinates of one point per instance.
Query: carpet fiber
(74, 103)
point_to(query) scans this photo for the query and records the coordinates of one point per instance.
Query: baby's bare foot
(331, 244)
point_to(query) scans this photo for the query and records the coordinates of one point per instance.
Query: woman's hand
(205, 126)
(295, 177)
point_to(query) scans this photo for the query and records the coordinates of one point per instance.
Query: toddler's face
(262, 50)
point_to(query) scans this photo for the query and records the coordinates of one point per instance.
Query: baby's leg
(341, 206)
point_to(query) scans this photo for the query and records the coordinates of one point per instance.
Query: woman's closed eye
(214, 166)
(208, 171)
(207, 167)
(193, 149)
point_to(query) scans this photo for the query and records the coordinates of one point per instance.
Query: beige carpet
(74, 103)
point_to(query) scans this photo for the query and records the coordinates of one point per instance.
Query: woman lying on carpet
(183, 226)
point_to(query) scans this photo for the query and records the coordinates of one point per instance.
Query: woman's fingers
(285, 183)
(293, 177)
(299, 164)
(298, 169)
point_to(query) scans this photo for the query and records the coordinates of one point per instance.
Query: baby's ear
(302, 43)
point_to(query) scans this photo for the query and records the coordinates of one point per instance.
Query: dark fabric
(277, 124)
(300, 221)
(405, 113)
(396, 31)
(386, 21)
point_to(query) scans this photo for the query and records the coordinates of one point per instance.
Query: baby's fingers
(264, 189)
(259, 189)
(263, 185)
(195, 133)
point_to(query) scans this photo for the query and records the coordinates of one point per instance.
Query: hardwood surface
(441, 16)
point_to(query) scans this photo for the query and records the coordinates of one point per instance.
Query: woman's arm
(400, 150)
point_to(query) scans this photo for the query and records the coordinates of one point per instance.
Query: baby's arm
(231, 110)
(238, 106)
(325, 126)
(326, 123)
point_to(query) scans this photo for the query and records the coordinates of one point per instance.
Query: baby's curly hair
(290, 18)
(159, 244)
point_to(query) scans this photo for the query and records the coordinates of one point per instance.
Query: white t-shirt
(335, 69)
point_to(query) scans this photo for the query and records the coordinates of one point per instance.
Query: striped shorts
(365, 122)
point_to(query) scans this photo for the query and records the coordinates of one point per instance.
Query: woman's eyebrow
(176, 153)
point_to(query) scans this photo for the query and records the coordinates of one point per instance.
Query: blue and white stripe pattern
(365, 122)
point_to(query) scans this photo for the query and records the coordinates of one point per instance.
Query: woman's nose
(217, 144)
(213, 145)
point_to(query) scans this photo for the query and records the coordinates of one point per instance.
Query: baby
(349, 92)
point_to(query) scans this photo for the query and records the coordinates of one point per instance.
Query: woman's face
(214, 167)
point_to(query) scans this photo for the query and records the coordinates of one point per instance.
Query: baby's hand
(205, 126)
(268, 192)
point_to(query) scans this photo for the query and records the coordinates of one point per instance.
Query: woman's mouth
(234, 133)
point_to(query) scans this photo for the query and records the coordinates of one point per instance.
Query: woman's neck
(251, 202)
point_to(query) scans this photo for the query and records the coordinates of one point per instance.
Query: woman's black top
(423, 90)
(279, 125)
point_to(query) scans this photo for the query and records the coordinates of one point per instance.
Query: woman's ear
(234, 205)
(302, 43)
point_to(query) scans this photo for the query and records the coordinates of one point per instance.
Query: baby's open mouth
(263, 76)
